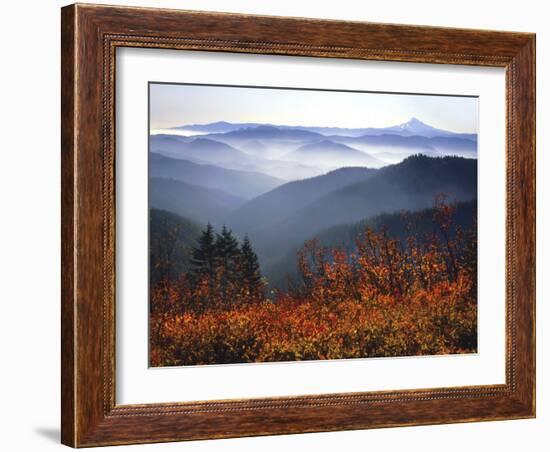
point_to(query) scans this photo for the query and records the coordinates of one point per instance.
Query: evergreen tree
(250, 269)
(228, 252)
(204, 256)
(228, 260)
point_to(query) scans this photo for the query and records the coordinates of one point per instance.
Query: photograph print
(297, 224)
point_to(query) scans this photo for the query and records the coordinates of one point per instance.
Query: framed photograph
(282, 225)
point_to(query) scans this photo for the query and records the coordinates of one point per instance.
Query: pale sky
(176, 105)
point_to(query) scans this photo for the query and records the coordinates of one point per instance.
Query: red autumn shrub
(388, 297)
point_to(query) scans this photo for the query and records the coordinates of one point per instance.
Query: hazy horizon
(173, 105)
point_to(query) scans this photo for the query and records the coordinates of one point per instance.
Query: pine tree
(227, 252)
(227, 260)
(205, 255)
(250, 269)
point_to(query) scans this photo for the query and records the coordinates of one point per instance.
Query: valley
(281, 186)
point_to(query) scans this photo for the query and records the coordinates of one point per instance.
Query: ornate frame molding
(90, 36)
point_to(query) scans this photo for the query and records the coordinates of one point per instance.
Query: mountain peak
(414, 123)
(415, 126)
(414, 120)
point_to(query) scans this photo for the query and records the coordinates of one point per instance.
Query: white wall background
(29, 225)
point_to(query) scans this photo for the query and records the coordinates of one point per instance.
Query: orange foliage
(389, 297)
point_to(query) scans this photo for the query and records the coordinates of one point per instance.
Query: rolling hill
(266, 132)
(244, 184)
(255, 159)
(404, 146)
(198, 150)
(409, 185)
(276, 205)
(197, 203)
(326, 153)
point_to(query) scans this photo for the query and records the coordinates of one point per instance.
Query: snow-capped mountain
(416, 127)
(413, 127)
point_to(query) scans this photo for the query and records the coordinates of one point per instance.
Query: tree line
(220, 258)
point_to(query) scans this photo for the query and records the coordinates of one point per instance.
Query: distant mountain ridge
(400, 145)
(267, 131)
(205, 150)
(199, 150)
(197, 203)
(244, 184)
(415, 127)
(278, 204)
(325, 152)
(410, 128)
(298, 152)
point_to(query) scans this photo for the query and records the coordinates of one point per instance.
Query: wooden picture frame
(90, 36)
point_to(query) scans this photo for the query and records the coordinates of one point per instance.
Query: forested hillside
(281, 243)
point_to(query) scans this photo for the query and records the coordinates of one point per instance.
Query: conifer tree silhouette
(250, 269)
(228, 252)
(204, 256)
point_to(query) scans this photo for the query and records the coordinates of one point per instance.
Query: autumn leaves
(386, 297)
